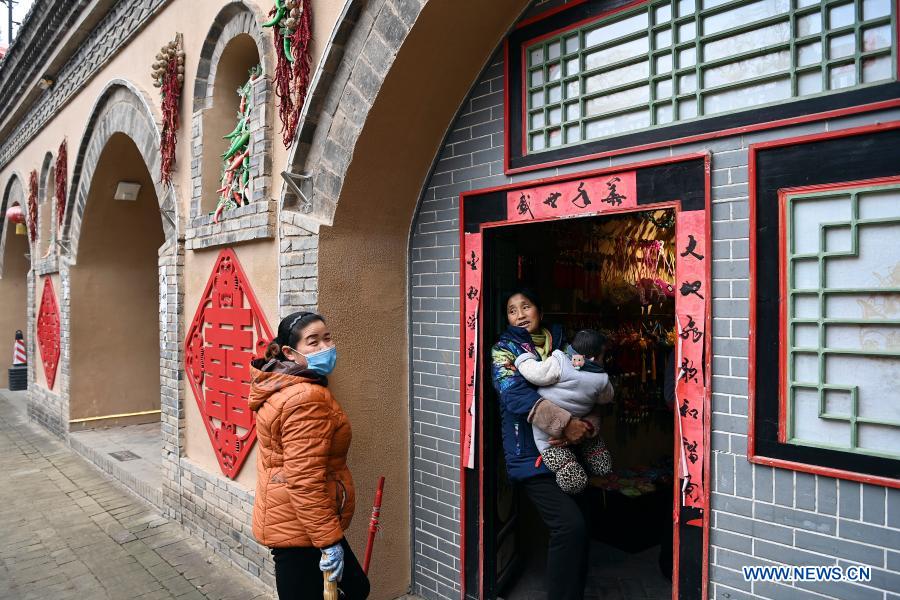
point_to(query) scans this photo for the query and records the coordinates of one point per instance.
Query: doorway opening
(14, 267)
(614, 274)
(114, 398)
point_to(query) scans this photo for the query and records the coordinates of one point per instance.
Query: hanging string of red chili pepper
(235, 185)
(291, 21)
(168, 75)
(32, 206)
(62, 158)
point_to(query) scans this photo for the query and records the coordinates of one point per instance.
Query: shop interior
(615, 274)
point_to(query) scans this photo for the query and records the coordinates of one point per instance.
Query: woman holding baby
(549, 430)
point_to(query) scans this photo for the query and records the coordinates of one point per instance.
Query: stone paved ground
(67, 531)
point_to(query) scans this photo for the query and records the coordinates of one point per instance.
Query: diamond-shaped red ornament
(48, 332)
(228, 331)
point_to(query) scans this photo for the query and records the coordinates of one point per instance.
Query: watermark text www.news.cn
(807, 573)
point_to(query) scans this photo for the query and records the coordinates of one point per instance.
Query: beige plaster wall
(193, 18)
(259, 260)
(115, 293)
(363, 257)
(13, 298)
(40, 377)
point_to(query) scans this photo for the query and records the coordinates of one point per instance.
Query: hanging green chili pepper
(279, 14)
(287, 46)
(237, 130)
(237, 145)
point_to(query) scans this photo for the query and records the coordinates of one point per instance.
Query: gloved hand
(333, 560)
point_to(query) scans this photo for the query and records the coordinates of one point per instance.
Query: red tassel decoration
(61, 175)
(32, 206)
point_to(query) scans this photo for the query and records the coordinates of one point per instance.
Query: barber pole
(18, 373)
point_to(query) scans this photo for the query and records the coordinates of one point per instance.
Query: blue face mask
(322, 362)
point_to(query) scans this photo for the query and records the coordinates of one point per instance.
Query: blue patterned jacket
(517, 398)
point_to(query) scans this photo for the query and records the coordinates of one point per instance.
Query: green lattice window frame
(550, 117)
(791, 292)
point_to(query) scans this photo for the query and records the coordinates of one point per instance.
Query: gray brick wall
(759, 515)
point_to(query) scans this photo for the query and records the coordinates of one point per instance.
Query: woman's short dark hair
(289, 331)
(529, 294)
(589, 342)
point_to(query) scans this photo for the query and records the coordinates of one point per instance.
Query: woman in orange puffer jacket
(304, 491)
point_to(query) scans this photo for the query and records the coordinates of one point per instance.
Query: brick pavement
(68, 531)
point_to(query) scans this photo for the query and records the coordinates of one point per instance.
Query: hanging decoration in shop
(32, 206)
(235, 190)
(576, 197)
(472, 302)
(229, 330)
(48, 332)
(168, 76)
(291, 22)
(62, 161)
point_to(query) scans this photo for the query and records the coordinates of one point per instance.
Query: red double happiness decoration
(48, 332)
(228, 331)
(62, 157)
(32, 206)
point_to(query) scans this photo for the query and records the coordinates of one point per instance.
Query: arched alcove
(235, 43)
(220, 118)
(14, 267)
(46, 202)
(114, 324)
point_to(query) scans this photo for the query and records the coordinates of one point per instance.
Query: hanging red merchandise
(291, 21)
(48, 332)
(32, 206)
(168, 75)
(229, 330)
(62, 157)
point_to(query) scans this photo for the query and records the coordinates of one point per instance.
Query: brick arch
(368, 140)
(369, 49)
(120, 108)
(13, 193)
(44, 204)
(235, 19)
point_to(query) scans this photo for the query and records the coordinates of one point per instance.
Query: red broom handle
(373, 525)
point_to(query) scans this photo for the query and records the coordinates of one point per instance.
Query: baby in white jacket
(576, 384)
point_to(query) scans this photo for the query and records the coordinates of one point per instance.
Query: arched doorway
(14, 266)
(114, 322)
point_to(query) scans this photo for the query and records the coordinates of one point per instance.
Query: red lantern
(16, 215)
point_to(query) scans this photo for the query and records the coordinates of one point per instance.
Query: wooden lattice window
(841, 264)
(669, 61)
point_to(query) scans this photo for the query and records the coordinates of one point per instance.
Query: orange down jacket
(304, 491)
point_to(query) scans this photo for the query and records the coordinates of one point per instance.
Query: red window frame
(706, 157)
(752, 454)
